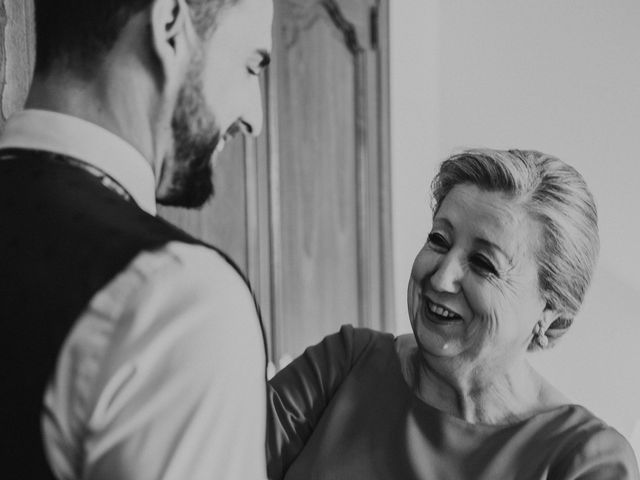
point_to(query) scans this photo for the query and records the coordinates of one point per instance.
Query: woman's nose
(447, 275)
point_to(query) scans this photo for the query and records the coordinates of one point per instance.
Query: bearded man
(131, 350)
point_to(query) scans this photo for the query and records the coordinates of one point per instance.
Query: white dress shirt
(162, 376)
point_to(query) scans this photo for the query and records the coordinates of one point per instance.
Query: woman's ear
(549, 315)
(173, 38)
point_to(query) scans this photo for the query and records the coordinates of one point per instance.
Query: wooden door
(329, 170)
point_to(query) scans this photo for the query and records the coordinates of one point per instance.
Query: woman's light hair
(556, 196)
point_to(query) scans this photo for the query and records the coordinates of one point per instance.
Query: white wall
(414, 132)
(558, 76)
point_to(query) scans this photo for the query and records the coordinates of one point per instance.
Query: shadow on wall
(598, 359)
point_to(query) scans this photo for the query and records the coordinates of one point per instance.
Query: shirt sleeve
(298, 395)
(177, 388)
(604, 455)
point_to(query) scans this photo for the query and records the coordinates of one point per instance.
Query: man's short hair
(77, 33)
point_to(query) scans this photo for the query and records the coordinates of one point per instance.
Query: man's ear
(173, 38)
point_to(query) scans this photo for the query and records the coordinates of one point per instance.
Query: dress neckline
(422, 405)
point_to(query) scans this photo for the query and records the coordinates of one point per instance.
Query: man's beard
(195, 136)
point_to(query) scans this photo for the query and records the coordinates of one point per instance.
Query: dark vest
(63, 236)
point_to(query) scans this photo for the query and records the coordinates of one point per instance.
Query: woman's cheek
(478, 297)
(423, 265)
(413, 297)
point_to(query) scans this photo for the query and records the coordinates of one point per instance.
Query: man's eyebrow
(265, 58)
(444, 221)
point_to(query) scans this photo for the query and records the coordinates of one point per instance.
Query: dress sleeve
(604, 455)
(298, 395)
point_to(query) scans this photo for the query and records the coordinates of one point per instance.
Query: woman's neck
(493, 395)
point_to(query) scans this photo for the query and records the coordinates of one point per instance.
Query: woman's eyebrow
(446, 223)
(494, 247)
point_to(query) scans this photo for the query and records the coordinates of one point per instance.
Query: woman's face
(473, 292)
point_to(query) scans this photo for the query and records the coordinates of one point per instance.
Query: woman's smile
(439, 313)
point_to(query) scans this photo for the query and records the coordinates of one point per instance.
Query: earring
(541, 338)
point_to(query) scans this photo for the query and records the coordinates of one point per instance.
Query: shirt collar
(86, 141)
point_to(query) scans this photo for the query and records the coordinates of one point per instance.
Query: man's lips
(231, 132)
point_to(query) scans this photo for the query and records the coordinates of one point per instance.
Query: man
(130, 350)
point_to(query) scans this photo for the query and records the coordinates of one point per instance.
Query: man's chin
(184, 201)
(193, 192)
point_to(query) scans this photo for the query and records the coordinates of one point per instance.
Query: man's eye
(437, 240)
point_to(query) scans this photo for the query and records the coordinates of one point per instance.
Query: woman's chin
(441, 338)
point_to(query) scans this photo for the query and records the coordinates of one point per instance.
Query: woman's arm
(297, 395)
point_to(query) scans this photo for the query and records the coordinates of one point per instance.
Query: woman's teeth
(441, 311)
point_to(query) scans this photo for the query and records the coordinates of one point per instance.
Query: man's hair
(555, 195)
(78, 33)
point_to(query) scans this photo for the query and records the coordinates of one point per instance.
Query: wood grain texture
(382, 145)
(326, 241)
(258, 219)
(16, 54)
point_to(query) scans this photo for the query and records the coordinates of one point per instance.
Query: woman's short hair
(555, 195)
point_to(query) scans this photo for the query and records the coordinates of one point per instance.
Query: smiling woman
(473, 290)
(503, 271)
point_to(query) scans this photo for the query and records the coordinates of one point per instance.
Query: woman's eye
(437, 240)
(482, 263)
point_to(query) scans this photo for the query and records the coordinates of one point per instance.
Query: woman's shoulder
(352, 345)
(577, 442)
(364, 333)
(341, 351)
(593, 446)
(358, 339)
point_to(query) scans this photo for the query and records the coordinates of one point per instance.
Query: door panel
(325, 245)
(318, 187)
